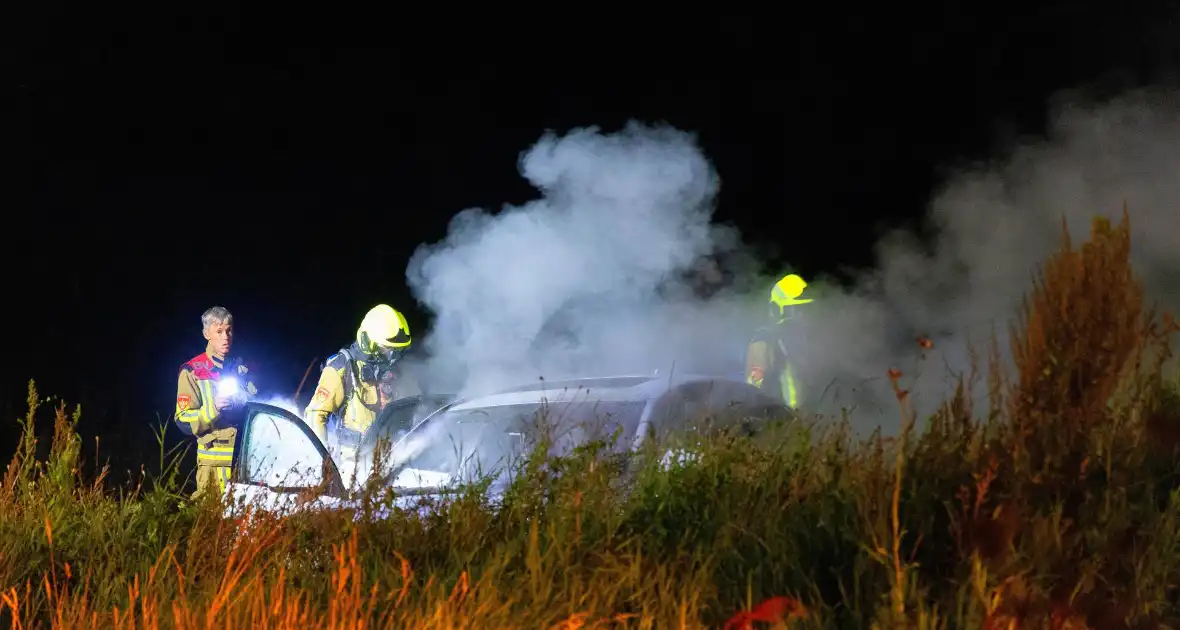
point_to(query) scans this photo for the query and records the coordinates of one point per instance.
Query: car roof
(624, 388)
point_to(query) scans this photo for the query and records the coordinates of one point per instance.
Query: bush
(1057, 507)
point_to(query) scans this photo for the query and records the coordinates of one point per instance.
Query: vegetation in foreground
(1058, 506)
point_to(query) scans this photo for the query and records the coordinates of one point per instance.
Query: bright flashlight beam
(227, 386)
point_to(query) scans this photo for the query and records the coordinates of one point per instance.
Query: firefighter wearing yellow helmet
(358, 381)
(767, 361)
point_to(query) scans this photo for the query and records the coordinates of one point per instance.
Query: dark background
(164, 164)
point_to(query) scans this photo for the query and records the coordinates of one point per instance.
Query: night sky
(165, 165)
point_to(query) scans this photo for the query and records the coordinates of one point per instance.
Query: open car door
(280, 465)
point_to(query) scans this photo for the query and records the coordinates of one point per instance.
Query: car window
(400, 416)
(279, 453)
(711, 405)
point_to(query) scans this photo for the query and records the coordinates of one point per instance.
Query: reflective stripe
(790, 393)
(216, 455)
(208, 406)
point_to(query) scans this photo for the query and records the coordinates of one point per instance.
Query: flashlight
(228, 386)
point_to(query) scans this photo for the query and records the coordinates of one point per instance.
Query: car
(436, 441)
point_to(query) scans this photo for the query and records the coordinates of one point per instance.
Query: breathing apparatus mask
(381, 339)
(378, 369)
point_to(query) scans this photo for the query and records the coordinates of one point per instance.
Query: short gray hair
(216, 315)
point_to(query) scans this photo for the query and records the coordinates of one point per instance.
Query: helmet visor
(386, 356)
(784, 313)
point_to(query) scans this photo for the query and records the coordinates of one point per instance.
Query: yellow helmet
(383, 328)
(787, 292)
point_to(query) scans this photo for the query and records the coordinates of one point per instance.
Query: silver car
(432, 444)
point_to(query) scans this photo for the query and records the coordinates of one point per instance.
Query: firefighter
(205, 408)
(358, 381)
(767, 361)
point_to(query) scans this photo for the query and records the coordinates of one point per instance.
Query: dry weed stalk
(1078, 329)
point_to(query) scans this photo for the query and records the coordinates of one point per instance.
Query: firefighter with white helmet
(357, 382)
(767, 360)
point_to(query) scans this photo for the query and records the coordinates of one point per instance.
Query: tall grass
(1056, 507)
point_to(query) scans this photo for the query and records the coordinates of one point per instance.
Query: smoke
(995, 222)
(589, 279)
(585, 281)
(282, 402)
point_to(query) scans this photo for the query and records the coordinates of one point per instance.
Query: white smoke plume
(282, 402)
(582, 282)
(995, 223)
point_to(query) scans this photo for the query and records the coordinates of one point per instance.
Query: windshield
(401, 415)
(462, 446)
